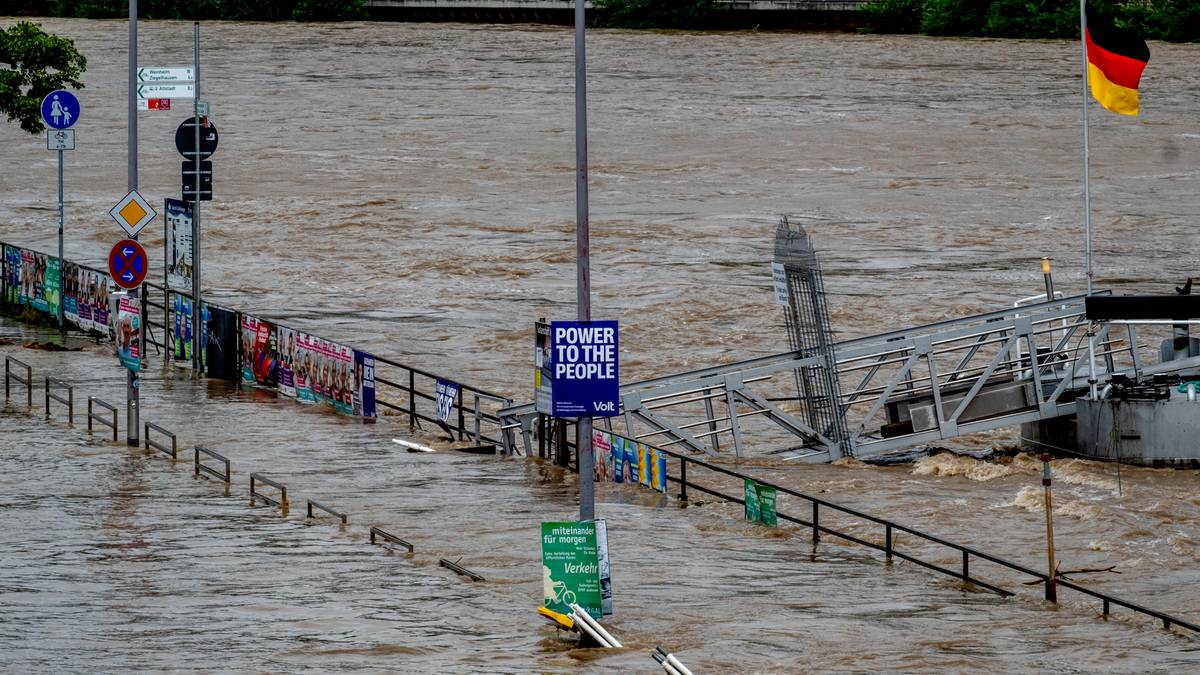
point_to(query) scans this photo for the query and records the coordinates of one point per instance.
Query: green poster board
(766, 505)
(571, 567)
(760, 503)
(53, 287)
(750, 490)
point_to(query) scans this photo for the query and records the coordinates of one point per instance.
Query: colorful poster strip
(623, 460)
(259, 364)
(182, 343)
(129, 335)
(85, 299)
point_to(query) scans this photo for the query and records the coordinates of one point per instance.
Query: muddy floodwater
(408, 189)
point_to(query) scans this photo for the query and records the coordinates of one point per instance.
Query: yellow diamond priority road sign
(133, 213)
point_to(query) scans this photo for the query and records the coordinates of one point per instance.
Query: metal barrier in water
(459, 569)
(282, 502)
(148, 426)
(112, 409)
(376, 532)
(27, 380)
(817, 505)
(333, 512)
(53, 384)
(201, 468)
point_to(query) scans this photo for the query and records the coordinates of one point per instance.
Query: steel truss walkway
(924, 384)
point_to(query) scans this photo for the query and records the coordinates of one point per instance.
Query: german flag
(1116, 58)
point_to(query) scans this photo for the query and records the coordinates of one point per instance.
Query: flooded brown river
(408, 188)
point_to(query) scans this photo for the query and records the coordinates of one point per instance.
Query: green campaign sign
(750, 489)
(760, 502)
(571, 567)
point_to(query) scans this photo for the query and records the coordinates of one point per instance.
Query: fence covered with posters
(249, 349)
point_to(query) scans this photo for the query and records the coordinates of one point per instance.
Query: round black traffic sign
(185, 139)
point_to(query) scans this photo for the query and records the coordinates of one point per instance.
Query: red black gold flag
(1116, 58)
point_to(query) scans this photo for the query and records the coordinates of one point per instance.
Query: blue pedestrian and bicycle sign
(583, 361)
(60, 109)
(127, 264)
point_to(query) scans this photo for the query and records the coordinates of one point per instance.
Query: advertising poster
(37, 298)
(364, 385)
(12, 279)
(571, 567)
(259, 363)
(129, 335)
(602, 446)
(287, 361)
(343, 379)
(52, 289)
(304, 369)
(583, 356)
(644, 454)
(543, 375)
(606, 590)
(28, 276)
(618, 459)
(658, 474)
(182, 342)
(70, 294)
(447, 396)
(760, 502)
(178, 254)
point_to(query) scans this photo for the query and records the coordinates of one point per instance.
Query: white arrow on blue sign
(60, 109)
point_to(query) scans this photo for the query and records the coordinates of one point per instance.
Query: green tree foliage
(33, 64)
(654, 13)
(1171, 20)
(954, 17)
(893, 16)
(329, 10)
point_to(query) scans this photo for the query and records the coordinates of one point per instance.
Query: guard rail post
(172, 451)
(69, 401)
(93, 401)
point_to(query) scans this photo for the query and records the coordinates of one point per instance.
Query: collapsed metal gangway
(918, 385)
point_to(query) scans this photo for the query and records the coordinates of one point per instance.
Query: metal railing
(480, 420)
(92, 416)
(27, 380)
(150, 443)
(312, 503)
(52, 384)
(376, 532)
(282, 502)
(814, 506)
(453, 566)
(202, 468)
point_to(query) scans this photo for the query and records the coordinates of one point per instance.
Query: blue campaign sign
(583, 355)
(60, 109)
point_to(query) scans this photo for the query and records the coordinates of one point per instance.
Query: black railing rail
(376, 532)
(256, 478)
(312, 503)
(53, 384)
(815, 505)
(460, 570)
(92, 416)
(202, 468)
(150, 443)
(9, 362)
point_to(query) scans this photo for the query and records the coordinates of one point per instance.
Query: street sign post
(60, 109)
(189, 181)
(127, 264)
(167, 90)
(166, 74)
(60, 139)
(154, 104)
(60, 112)
(133, 213)
(185, 139)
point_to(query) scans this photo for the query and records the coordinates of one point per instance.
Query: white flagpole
(1087, 196)
(1087, 205)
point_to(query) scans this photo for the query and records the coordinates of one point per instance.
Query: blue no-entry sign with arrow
(60, 109)
(127, 264)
